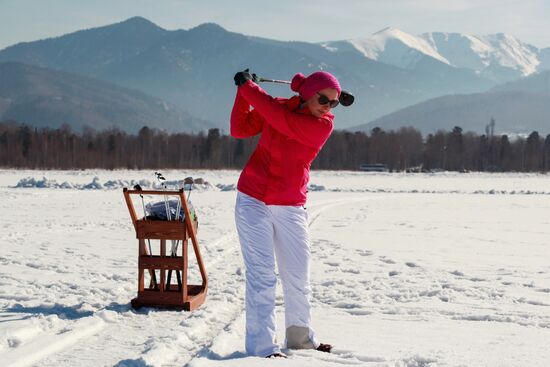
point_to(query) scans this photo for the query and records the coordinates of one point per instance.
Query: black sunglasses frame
(323, 100)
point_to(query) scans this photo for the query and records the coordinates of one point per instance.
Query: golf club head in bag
(160, 177)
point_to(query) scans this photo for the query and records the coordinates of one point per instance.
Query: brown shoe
(324, 348)
(276, 355)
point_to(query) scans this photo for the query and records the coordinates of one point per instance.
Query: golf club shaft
(274, 81)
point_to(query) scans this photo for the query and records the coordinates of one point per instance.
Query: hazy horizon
(320, 20)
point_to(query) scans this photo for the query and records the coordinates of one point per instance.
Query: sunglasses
(323, 100)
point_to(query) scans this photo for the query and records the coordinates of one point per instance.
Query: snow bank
(117, 184)
(389, 185)
(29, 182)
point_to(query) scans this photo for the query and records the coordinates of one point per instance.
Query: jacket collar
(293, 104)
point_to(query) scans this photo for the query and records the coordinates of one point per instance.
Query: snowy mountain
(193, 68)
(500, 57)
(392, 46)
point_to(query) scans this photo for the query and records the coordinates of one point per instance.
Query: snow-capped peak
(393, 46)
(480, 52)
(498, 56)
(511, 52)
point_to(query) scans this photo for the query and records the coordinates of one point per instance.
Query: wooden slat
(130, 206)
(191, 232)
(185, 259)
(153, 192)
(162, 271)
(160, 230)
(157, 262)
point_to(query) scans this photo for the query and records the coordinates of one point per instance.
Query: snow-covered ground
(408, 270)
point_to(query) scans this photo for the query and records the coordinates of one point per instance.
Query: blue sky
(313, 21)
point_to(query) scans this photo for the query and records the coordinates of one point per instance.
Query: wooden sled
(160, 292)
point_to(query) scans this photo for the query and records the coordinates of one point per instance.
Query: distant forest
(406, 149)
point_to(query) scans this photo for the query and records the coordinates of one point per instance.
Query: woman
(270, 215)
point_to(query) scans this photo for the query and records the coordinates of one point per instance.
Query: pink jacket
(277, 173)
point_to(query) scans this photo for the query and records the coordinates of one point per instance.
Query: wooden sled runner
(160, 292)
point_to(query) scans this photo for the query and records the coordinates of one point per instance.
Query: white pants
(266, 233)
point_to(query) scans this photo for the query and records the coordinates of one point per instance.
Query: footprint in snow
(34, 265)
(364, 252)
(476, 279)
(350, 270)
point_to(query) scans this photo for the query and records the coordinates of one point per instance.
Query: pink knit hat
(307, 87)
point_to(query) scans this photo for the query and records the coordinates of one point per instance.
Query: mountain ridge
(518, 107)
(42, 97)
(485, 54)
(193, 69)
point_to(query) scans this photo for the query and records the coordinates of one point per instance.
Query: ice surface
(445, 269)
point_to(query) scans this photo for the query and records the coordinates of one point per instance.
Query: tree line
(22, 146)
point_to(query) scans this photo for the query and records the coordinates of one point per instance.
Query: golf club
(346, 98)
(161, 179)
(188, 181)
